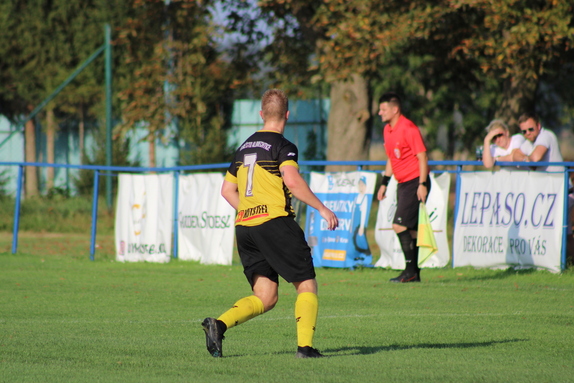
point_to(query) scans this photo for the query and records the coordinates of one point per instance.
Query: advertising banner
(349, 195)
(509, 218)
(437, 207)
(205, 220)
(144, 216)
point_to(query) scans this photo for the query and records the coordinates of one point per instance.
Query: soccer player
(259, 184)
(408, 162)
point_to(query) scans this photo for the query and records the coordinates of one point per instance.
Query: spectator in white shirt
(499, 144)
(542, 144)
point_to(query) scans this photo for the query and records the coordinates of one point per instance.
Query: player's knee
(269, 303)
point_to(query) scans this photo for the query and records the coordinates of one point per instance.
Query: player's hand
(330, 217)
(381, 193)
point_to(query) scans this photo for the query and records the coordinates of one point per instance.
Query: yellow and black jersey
(262, 193)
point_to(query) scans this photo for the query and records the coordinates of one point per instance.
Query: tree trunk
(348, 130)
(151, 141)
(31, 173)
(81, 132)
(517, 98)
(50, 146)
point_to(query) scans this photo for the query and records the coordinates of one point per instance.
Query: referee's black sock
(410, 250)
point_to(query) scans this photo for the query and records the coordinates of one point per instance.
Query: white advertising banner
(437, 207)
(144, 216)
(206, 222)
(509, 218)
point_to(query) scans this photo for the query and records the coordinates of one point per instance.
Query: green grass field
(64, 318)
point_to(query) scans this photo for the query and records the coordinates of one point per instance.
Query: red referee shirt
(402, 143)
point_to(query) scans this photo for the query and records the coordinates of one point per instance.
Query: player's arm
(230, 192)
(386, 178)
(422, 191)
(297, 185)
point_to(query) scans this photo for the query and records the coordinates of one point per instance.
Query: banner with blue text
(349, 195)
(509, 218)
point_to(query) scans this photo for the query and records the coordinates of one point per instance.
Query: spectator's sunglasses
(527, 130)
(497, 136)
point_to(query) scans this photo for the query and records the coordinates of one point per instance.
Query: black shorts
(407, 213)
(276, 247)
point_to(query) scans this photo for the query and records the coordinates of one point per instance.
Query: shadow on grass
(347, 351)
(502, 274)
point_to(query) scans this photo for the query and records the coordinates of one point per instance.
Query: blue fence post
(457, 197)
(175, 214)
(17, 210)
(94, 214)
(565, 220)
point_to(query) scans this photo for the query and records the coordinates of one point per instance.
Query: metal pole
(94, 214)
(565, 220)
(108, 114)
(175, 215)
(457, 198)
(17, 210)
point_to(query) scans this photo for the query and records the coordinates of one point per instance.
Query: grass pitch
(65, 319)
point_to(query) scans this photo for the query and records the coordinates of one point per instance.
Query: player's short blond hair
(274, 105)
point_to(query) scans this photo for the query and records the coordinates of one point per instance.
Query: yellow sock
(243, 310)
(306, 309)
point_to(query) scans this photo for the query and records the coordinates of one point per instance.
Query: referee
(259, 184)
(408, 162)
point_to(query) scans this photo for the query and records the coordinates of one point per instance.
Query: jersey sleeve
(288, 155)
(231, 174)
(415, 140)
(230, 177)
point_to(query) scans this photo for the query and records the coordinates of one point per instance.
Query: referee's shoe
(406, 277)
(213, 336)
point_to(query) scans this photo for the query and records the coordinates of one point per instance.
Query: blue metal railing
(456, 167)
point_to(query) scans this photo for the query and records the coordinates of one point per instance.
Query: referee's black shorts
(407, 213)
(276, 247)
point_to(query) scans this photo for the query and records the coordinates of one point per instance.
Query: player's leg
(306, 311)
(263, 299)
(263, 280)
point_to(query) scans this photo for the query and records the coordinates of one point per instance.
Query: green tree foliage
(468, 55)
(458, 63)
(42, 43)
(178, 77)
(290, 42)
